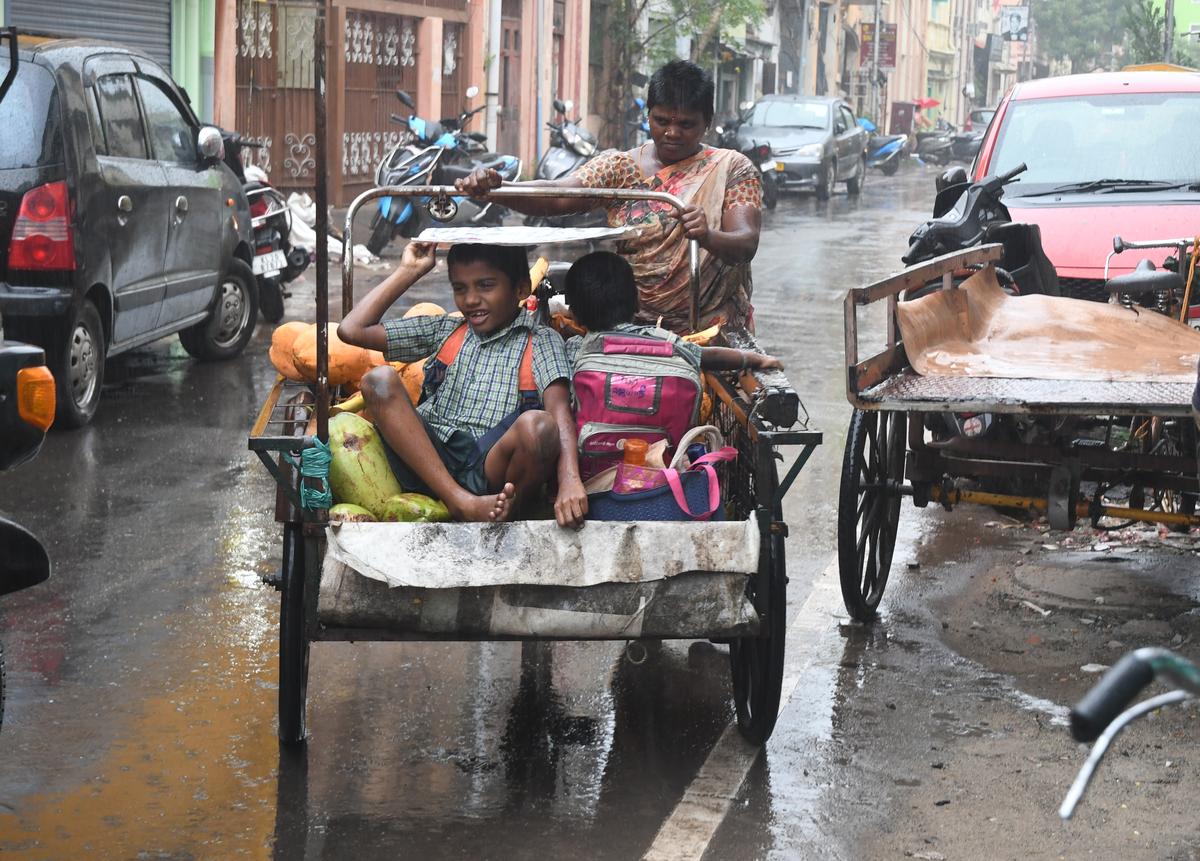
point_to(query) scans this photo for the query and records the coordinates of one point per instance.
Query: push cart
(728, 580)
(1091, 437)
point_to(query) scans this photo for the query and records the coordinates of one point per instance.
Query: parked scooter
(438, 153)
(936, 145)
(760, 154)
(571, 147)
(884, 152)
(276, 261)
(967, 214)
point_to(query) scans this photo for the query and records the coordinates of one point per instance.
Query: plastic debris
(1094, 668)
(1035, 608)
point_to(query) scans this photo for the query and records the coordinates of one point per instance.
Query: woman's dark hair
(683, 85)
(512, 260)
(601, 291)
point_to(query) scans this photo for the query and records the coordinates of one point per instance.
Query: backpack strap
(435, 373)
(450, 348)
(526, 384)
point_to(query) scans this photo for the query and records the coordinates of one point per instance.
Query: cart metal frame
(889, 455)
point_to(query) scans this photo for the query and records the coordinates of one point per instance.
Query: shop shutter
(143, 25)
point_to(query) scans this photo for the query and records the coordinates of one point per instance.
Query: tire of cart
(757, 662)
(869, 507)
(293, 639)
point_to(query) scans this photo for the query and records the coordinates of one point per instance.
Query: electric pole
(1169, 32)
(875, 89)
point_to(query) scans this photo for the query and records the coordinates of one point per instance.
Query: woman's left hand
(695, 224)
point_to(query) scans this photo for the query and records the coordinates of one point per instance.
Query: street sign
(887, 47)
(1014, 23)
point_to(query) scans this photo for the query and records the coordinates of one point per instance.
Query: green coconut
(414, 508)
(348, 512)
(359, 472)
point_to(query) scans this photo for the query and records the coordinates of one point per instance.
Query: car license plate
(270, 263)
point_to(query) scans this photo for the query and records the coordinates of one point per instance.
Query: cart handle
(513, 191)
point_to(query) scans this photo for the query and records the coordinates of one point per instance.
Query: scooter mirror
(472, 91)
(560, 106)
(956, 175)
(25, 561)
(406, 99)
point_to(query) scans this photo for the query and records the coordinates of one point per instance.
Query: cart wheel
(293, 639)
(869, 507)
(757, 662)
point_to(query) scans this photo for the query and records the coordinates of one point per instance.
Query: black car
(119, 223)
(817, 140)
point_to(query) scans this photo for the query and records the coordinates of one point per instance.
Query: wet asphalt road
(142, 676)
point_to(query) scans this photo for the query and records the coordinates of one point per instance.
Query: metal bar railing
(502, 193)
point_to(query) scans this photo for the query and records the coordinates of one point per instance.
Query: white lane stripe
(694, 822)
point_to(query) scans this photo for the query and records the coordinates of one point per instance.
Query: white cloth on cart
(540, 552)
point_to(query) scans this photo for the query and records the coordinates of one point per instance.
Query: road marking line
(686, 833)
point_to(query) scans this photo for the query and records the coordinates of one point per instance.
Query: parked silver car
(817, 140)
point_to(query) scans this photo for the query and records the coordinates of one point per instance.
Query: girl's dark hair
(683, 85)
(601, 291)
(511, 260)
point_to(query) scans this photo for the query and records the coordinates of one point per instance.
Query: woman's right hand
(479, 182)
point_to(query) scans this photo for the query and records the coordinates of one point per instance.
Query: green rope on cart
(314, 463)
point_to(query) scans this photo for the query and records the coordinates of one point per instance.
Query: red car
(1108, 154)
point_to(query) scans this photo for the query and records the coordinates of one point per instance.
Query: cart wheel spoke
(869, 507)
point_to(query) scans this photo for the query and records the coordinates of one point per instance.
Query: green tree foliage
(1082, 32)
(642, 34)
(1145, 26)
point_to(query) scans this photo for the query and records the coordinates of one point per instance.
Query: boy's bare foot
(484, 509)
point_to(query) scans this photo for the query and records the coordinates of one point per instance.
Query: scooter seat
(1145, 280)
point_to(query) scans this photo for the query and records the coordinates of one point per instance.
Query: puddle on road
(185, 774)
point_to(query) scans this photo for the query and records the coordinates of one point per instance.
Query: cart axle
(1090, 510)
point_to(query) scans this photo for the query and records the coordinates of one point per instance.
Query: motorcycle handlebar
(1014, 173)
(396, 118)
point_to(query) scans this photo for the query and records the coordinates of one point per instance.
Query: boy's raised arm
(570, 505)
(362, 326)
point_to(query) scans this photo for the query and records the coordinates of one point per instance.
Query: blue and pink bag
(631, 386)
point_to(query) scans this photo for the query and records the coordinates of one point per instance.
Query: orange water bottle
(632, 474)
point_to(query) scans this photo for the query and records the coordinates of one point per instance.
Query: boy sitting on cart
(494, 423)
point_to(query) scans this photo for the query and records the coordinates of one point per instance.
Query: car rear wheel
(78, 366)
(825, 181)
(229, 327)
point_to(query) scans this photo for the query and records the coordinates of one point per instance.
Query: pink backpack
(630, 385)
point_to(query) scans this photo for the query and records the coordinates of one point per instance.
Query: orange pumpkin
(282, 340)
(425, 309)
(413, 377)
(347, 363)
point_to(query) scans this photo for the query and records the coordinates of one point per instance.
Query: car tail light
(35, 396)
(259, 206)
(42, 238)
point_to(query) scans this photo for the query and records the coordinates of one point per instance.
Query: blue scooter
(437, 153)
(883, 151)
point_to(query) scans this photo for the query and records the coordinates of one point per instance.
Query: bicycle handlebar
(1116, 690)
